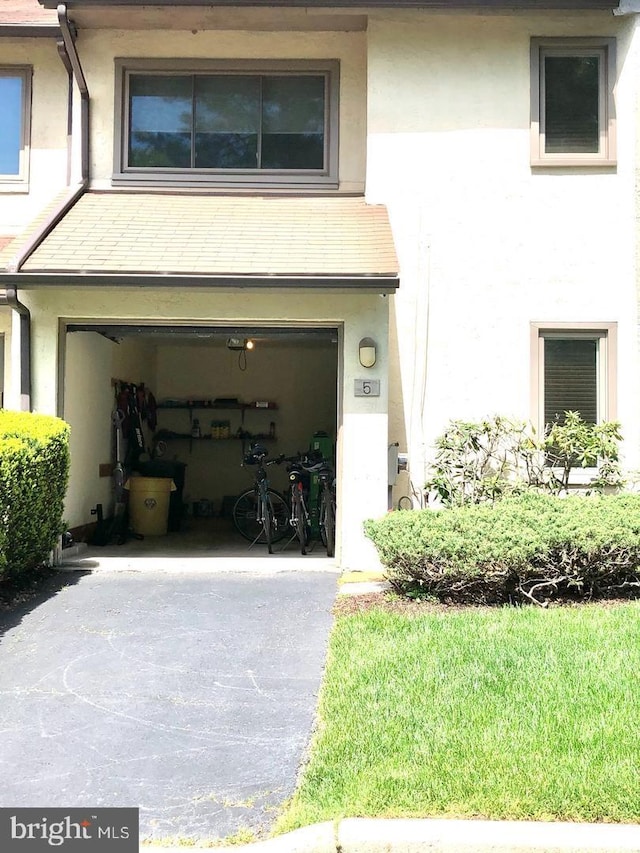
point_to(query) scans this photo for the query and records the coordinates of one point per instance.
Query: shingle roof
(25, 12)
(181, 234)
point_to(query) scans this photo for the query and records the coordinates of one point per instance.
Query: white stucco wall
(362, 422)
(48, 153)
(435, 106)
(97, 50)
(486, 244)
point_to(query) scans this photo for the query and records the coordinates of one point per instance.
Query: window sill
(573, 162)
(231, 184)
(14, 187)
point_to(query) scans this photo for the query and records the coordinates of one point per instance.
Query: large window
(15, 105)
(245, 123)
(573, 370)
(572, 105)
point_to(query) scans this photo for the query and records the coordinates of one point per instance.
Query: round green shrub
(528, 547)
(34, 472)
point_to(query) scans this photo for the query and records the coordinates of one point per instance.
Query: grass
(512, 713)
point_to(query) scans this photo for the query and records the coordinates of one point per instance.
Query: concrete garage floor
(210, 544)
(189, 695)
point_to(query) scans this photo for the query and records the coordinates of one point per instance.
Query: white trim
(20, 181)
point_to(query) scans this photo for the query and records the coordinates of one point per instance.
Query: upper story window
(268, 123)
(15, 110)
(572, 103)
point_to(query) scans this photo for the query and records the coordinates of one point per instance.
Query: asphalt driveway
(191, 696)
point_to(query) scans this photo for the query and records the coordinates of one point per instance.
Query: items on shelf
(216, 430)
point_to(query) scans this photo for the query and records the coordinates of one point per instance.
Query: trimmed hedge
(34, 471)
(531, 547)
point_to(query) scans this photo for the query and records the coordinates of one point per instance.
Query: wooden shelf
(203, 406)
(187, 437)
(190, 407)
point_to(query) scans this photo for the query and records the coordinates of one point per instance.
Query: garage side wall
(91, 363)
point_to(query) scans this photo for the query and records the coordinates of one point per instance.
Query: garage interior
(205, 394)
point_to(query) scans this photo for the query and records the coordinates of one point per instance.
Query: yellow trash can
(149, 504)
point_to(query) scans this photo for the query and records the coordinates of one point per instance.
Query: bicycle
(299, 518)
(261, 514)
(327, 506)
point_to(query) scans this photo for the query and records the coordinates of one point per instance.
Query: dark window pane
(570, 379)
(226, 150)
(571, 104)
(160, 115)
(292, 151)
(227, 122)
(293, 115)
(11, 123)
(230, 121)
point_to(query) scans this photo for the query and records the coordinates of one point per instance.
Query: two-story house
(414, 210)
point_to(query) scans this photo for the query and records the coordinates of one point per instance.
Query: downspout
(62, 53)
(68, 39)
(71, 61)
(10, 298)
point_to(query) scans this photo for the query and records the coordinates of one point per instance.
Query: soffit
(157, 234)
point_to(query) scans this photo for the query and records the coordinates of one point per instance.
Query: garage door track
(190, 696)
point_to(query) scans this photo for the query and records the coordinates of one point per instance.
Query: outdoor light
(367, 352)
(240, 344)
(236, 343)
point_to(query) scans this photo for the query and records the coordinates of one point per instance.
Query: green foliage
(483, 461)
(34, 470)
(528, 547)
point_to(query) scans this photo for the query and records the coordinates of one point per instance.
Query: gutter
(12, 278)
(374, 283)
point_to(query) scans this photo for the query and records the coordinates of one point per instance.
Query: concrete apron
(161, 554)
(364, 835)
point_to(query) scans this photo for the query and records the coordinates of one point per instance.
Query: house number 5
(367, 388)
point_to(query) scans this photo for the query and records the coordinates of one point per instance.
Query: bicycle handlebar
(309, 461)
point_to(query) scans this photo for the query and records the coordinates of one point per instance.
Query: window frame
(607, 336)
(20, 181)
(605, 47)
(326, 178)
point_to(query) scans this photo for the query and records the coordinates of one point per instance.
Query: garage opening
(202, 397)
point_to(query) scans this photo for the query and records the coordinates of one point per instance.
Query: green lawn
(515, 713)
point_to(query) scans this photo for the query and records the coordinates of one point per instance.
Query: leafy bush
(486, 460)
(528, 547)
(34, 470)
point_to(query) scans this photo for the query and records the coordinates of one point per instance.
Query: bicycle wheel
(299, 518)
(265, 515)
(328, 524)
(247, 517)
(279, 515)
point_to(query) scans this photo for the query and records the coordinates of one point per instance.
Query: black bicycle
(299, 518)
(261, 514)
(327, 506)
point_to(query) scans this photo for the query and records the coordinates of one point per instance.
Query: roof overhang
(124, 239)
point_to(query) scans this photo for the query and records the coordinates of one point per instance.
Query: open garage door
(204, 395)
